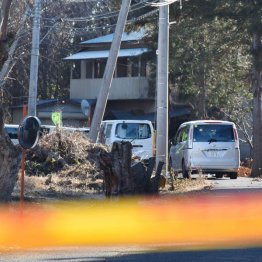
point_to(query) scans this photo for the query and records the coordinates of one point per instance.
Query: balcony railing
(122, 88)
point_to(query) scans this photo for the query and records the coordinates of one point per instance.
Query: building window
(100, 65)
(76, 70)
(133, 66)
(122, 67)
(89, 69)
(143, 69)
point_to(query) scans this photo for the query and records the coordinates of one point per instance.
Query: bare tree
(9, 154)
(9, 163)
(61, 31)
(4, 14)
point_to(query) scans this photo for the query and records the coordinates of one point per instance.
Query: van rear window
(133, 131)
(213, 133)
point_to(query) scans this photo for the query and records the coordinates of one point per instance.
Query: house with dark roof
(130, 89)
(132, 94)
(129, 93)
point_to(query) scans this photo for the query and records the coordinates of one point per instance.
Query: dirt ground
(65, 166)
(38, 189)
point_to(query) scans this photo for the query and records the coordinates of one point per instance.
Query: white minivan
(139, 132)
(209, 146)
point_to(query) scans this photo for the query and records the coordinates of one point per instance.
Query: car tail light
(190, 138)
(236, 137)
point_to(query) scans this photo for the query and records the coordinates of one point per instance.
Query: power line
(134, 7)
(130, 21)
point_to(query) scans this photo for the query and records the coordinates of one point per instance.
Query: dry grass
(65, 165)
(186, 185)
(244, 171)
(67, 153)
(245, 168)
(57, 187)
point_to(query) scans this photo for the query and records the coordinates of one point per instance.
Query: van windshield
(213, 133)
(133, 131)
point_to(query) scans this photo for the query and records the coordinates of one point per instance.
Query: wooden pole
(109, 72)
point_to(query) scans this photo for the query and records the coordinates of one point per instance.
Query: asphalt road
(134, 254)
(241, 184)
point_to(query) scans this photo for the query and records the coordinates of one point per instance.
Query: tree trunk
(9, 163)
(123, 178)
(257, 105)
(201, 81)
(4, 14)
(203, 92)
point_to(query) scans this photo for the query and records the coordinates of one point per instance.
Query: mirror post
(23, 166)
(22, 178)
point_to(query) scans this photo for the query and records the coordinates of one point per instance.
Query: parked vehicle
(12, 131)
(138, 132)
(207, 145)
(46, 129)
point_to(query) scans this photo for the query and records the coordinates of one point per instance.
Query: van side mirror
(172, 141)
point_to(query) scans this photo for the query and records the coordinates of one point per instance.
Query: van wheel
(185, 173)
(233, 175)
(219, 175)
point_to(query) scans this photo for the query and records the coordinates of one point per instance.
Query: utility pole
(162, 86)
(34, 59)
(109, 71)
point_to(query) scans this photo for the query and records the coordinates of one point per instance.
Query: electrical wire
(94, 28)
(165, 2)
(133, 8)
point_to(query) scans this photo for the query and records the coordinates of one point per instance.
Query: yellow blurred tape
(200, 221)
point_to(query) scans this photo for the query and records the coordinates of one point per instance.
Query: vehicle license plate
(215, 153)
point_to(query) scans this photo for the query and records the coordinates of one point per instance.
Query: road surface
(241, 184)
(135, 254)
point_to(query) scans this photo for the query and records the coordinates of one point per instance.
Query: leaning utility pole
(162, 86)
(34, 60)
(109, 71)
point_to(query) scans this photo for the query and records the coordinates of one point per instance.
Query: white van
(139, 132)
(207, 145)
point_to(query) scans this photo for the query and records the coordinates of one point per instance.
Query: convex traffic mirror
(28, 133)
